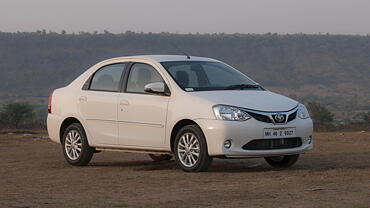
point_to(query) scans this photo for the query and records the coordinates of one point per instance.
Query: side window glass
(107, 78)
(141, 75)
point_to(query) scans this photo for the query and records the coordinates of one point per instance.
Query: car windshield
(208, 75)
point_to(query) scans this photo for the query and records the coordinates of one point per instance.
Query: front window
(141, 75)
(207, 75)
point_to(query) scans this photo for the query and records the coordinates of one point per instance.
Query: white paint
(145, 121)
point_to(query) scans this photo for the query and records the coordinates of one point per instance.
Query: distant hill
(332, 69)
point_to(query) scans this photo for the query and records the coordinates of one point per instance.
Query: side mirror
(155, 87)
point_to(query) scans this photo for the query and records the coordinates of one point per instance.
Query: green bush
(16, 115)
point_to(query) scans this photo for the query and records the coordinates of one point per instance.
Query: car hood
(251, 99)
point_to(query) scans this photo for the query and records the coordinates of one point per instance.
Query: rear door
(98, 103)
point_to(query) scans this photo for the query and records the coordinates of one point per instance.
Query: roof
(162, 58)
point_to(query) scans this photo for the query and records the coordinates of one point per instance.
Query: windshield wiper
(242, 86)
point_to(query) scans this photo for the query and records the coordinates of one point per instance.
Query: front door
(142, 116)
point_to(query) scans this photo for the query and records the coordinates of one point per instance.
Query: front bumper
(240, 133)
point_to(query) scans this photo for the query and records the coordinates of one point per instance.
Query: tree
(366, 117)
(321, 116)
(13, 114)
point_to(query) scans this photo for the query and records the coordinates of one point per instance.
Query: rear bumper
(53, 123)
(240, 133)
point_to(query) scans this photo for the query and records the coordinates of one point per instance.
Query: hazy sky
(188, 16)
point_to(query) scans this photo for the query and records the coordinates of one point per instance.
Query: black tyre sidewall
(86, 151)
(204, 160)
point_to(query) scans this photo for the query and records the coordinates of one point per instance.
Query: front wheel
(76, 149)
(282, 161)
(190, 149)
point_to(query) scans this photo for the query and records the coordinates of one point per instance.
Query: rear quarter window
(107, 78)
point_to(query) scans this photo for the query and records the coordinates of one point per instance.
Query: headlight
(229, 113)
(302, 112)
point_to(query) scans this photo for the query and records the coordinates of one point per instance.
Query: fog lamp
(227, 144)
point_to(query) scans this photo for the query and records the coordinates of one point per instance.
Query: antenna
(179, 49)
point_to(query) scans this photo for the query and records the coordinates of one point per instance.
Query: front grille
(267, 119)
(269, 144)
(292, 116)
(260, 117)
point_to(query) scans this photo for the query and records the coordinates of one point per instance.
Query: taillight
(49, 102)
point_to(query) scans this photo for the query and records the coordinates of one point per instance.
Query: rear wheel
(160, 157)
(282, 161)
(190, 149)
(76, 149)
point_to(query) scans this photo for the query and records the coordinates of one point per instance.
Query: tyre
(190, 149)
(76, 149)
(160, 157)
(282, 161)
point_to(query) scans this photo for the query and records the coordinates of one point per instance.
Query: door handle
(82, 99)
(124, 102)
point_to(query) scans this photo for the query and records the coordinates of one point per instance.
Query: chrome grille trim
(288, 115)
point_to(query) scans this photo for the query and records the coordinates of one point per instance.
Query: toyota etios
(191, 108)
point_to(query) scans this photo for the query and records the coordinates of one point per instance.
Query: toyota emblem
(279, 118)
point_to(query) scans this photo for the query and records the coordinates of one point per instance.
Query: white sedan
(191, 108)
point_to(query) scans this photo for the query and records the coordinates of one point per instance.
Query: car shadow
(227, 166)
(140, 165)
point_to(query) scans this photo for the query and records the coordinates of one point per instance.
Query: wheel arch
(176, 128)
(66, 122)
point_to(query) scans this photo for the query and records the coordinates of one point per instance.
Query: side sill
(132, 150)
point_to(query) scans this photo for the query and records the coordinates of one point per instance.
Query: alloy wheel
(188, 149)
(73, 145)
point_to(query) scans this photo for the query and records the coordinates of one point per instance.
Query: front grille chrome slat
(292, 116)
(273, 117)
(260, 117)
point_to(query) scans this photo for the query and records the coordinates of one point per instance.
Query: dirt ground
(336, 173)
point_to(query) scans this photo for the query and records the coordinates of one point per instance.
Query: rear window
(107, 78)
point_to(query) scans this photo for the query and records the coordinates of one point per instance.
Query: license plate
(278, 133)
